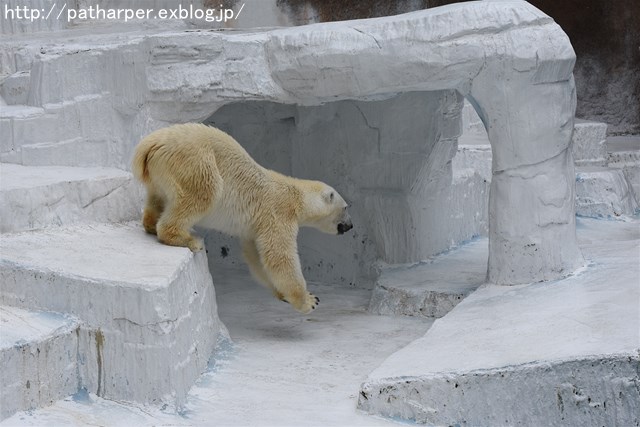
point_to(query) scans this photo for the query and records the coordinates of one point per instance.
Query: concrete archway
(512, 61)
(508, 58)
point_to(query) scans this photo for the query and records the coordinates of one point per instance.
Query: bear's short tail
(140, 158)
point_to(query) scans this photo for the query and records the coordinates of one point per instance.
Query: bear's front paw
(310, 303)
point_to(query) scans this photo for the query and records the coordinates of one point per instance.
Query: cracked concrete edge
(42, 368)
(114, 199)
(598, 390)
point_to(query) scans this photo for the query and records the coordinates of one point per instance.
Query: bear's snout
(343, 227)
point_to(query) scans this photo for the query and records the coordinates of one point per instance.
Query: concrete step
(476, 157)
(78, 151)
(148, 311)
(434, 287)
(624, 153)
(42, 16)
(554, 354)
(38, 359)
(14, 89)
(62, 133)
(589, 143)
(22, 124)
(39, 197)
(603, 192)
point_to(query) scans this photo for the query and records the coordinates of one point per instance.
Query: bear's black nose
(344, 227)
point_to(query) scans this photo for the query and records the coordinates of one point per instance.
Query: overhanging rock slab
(148, 311)
(561, 353)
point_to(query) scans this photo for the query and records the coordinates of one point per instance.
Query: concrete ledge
(590, 391)
(623, 151)
(556, 353)
(148, 310)
(434, 287)
(589, 143)
(41, 197)
(38, 359)
(604, 193)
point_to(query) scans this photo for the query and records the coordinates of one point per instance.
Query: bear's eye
(331, 197)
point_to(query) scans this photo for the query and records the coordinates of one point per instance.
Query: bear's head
(325, 209)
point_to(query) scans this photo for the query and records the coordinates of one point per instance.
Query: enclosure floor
(282, 369)
(286, 369)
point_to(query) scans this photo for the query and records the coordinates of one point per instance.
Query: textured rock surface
(431, 288)
(604, 193)
(589, 143)
(525, 356)
(46, 196)
(624, 153)
(148, 311)
(38, 359)
(517, 56)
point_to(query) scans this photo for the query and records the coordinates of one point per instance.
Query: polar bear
(198, 175)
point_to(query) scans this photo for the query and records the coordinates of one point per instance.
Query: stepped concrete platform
(431, 288)
(38, 359)
(34, 197)
(603, 192)
(624, 153)
(557, 353)
(60, 133)
(148, 311)
(589, 143)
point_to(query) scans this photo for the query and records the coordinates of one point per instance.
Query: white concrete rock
(148, 311)
(51, 196)
(38, 359)
(550, 354)
(604, 193)
(15, 88)
(516, 57)
(431, 288)
(624, 153)
(589, 143)
(20, 16)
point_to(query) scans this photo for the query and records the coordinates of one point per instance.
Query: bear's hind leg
(193, 190)
(152, 211)
(174, 226)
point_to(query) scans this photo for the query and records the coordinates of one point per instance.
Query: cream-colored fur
(199, 175)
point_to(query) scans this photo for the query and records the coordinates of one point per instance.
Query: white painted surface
(517, 56)
(146, 308)
(286, 369)
(433, 287)
(504, 348)
(603, 192)
(624, 153)
(53, 196)
(38, 359)
(589, 143)
(283, 369)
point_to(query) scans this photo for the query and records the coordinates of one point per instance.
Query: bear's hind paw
(196, 245)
